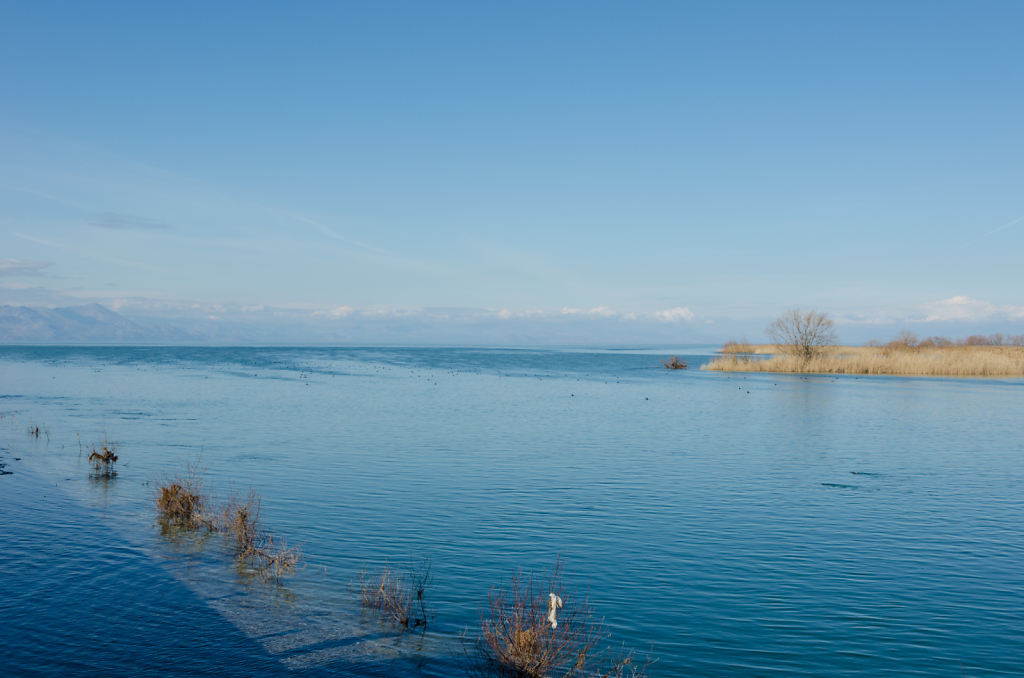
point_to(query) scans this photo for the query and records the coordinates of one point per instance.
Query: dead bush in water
(103, 460)
(674, 363)
(35, 431)
(180, 502)
(254, 546)
(538, 629)
(398, 596)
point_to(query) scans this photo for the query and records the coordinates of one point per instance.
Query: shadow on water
(79, 598)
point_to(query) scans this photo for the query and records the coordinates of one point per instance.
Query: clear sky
(683, 163)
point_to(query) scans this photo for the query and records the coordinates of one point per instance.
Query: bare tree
(802, 334)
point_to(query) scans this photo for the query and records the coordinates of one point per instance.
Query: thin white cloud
(127, 222)
(394, 257)
(22, 267)
(674, 315)
(26, 294)
(506, 314)
(881, 317)
(1008, 224)
(37, 240)
(80, 252)
(958, 308)
(149, 304)
(595, 312)
(337, 312)
(334, 235)
(967, 309)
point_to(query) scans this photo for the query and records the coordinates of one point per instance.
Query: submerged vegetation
(254, 545)
(181, 504)
(397, 595)
(103, 460)
(537, 628)
(674, 363)
(34, 431)
(533, 628)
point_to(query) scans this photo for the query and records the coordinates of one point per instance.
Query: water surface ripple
(738, 524)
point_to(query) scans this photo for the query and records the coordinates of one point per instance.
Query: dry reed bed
(951, 361)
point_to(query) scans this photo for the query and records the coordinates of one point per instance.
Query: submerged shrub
(398, 596)
(537, 629)
(180, 502)
(35, 431)
(674, 363)
(255, 547)
(103, 460)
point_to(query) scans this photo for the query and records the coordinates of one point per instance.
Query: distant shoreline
(945, 361)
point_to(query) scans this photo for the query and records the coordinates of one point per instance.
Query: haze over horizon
(455, 171)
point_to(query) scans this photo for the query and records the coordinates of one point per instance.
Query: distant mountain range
(97, 324)
(89, 324)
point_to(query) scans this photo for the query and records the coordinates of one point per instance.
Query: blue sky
(686, 169)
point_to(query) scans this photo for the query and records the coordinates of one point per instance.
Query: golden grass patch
(937, 361)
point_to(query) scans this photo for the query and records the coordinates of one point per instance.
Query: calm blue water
(739, 525)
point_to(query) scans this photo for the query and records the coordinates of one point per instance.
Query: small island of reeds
(975, 356)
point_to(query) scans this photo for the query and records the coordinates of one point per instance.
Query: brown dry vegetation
(733, 346)
(35, 431)
(674, 363)
(254, 546)
(398, 596)
(103, 459)
(802, 333)
(517, 640)
(905, 355)
(181, 503)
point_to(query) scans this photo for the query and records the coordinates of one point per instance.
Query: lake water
(730, 524)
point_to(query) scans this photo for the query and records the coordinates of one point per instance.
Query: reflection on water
(740, 524)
